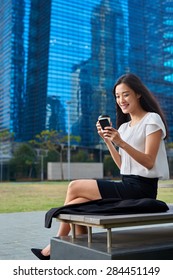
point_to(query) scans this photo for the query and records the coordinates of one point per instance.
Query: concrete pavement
(21, 231)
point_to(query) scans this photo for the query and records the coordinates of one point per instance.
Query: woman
(141, 155)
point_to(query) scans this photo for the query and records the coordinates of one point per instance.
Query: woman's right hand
(99, 129)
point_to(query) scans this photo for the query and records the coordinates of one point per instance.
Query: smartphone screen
(104, 123)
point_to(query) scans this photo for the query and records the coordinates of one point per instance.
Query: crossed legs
(78, 191)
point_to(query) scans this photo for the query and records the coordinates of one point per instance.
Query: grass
(26, 197)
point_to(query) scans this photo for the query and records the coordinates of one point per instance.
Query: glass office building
(61, 58)
(14, 27)
(151, 50)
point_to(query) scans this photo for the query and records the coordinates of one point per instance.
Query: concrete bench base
(143, 243)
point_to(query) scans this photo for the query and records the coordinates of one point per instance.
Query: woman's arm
(114, 153)
(147, 159)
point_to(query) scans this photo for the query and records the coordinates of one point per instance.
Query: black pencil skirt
(131, 186)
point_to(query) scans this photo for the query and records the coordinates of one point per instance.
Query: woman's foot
(39, 254)
(46, 251)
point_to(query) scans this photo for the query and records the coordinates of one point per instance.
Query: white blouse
(136, 136)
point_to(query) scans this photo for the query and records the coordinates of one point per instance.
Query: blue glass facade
(14, 25)
(37, 68)
(151, 50)
(5, 71)
(60, 54)
(82, 63)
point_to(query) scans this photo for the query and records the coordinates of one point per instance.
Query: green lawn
(24, 197)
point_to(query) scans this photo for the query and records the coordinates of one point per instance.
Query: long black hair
(147, 100)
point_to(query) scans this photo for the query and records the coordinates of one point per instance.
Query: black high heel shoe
(39, 255)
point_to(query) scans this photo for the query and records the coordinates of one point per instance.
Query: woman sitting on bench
(140, 153)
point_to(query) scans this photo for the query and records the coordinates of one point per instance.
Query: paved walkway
(21, 231)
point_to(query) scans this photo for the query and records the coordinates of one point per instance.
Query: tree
(21, 165)
(169, 145)
(110, 168)
(6, 138)
(53, 141)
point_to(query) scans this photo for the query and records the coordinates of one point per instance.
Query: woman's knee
(80, 187)
(73, 186)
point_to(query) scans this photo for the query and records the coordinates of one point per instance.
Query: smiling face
(127, 99)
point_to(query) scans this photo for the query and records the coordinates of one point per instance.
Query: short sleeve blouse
(136, 136)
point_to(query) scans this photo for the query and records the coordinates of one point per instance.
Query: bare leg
(78, 191)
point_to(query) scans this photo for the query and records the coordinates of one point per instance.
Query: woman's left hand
(113, 135)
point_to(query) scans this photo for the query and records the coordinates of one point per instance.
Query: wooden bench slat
(118, 219)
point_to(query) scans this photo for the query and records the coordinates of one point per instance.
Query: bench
(115, 221)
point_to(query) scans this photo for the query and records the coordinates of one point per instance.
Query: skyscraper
(150, 52)
(55, 53)
(37, 68)
(96, 76)
(13, 58)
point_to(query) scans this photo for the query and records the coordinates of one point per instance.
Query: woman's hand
(101, 132)
(113, 135)
(99, 129)
(109, 135)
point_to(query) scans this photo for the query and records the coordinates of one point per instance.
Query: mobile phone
(104, 121)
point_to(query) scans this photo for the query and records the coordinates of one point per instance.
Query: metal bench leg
(109, 238)
(89, 234)
(73, 231)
